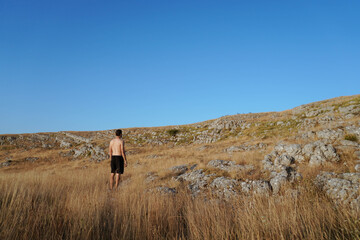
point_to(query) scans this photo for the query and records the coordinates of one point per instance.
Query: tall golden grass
(77, 205)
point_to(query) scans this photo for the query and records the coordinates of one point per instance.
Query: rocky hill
(255, 153)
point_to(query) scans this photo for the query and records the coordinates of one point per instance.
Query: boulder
(330, 134)
(245, 147)
(255, 187)
(228, 165)
(6, 164)
(342, 187)
(89, 150)
(151, 176)
(224, 187)
(349, 109)
(319, 153)
(31, 159)
(179, 169)
(280, 178)
(353, 130)
(197, 179)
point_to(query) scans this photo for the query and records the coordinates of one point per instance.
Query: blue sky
(96, 65)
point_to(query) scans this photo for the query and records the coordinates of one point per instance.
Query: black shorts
(117, 164)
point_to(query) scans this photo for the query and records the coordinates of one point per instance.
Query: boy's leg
(111, 180)
(117, 179)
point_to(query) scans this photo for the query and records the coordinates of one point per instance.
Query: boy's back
(116, 146)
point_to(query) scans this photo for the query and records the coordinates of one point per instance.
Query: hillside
(309, 152)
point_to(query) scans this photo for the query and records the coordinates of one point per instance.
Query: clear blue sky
(96, 65)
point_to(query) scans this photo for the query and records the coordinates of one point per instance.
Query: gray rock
(64, 144)
(312, 113)
(349, 109)
(319, 153)
(89, 150)
(31, 159)
(284, 160)
(179, 169)
(228, 165)
(76, 138)
(197, 179)
(278, 181)
(224, 187)
(292, 150)
(256, 187)
(357, 154)
(150, 177)
(353, 130)
(233, 149)
(245, 147)
(166, 190)
(342, 188)
(330, 134)
(308, 135)
(6, 164)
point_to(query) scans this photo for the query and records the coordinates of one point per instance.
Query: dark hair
(118, 133)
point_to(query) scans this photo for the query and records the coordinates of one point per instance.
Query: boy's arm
(123, 152)
(110, 149)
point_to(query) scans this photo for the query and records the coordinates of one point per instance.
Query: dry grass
(75, 204)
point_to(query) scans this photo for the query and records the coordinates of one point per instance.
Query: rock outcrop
(342, 188)
(228, 165)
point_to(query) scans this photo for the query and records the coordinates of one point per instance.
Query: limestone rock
(228, 165)
(179, 169)
(342, 188)
(245, 147)
(197, 179)
(6, 164)
(151, 176)
(353, 130)
(349, 109)
(166, 190)
(224, 186)
(256, 187)
(319, 153)
(31, 159)
(95, 153)
(330, 134)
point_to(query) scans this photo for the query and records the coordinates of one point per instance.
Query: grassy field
(75, 204)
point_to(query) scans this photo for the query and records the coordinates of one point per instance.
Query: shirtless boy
(117, 157)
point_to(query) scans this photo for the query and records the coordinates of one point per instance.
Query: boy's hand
(125, 163)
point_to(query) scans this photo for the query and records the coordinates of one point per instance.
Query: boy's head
(118, 133)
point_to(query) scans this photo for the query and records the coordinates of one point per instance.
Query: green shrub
(351, 137)
(173, 132)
